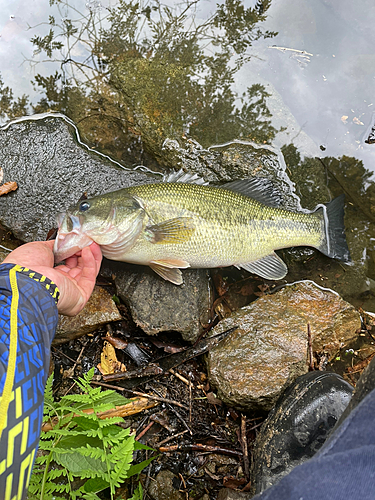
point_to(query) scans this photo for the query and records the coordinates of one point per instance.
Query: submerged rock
(99, 310)
(157, 305)
(269, 350)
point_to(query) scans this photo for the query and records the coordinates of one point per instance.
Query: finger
(87, 278)
(49, 243)
(97, 253)
(62, 268)
(72, 261)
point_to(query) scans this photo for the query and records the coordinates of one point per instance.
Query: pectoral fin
(169, 269)
(270, 267)
(176, 230)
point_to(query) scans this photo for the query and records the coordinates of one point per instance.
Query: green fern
(82, 446)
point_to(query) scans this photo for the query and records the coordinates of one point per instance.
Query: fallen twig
(142, 433)
(311, 354)
(170, 438)
(178, 415)
(181, 377)
(136, 405)
(142, 394)
(199, 447)
(244, 447)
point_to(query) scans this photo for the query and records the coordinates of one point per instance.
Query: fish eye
(83, 206)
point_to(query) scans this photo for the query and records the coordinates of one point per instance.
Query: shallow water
(293, 74)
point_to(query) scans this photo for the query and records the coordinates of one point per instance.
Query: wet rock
(163, 487)
(157, 305)
(269, 350)
(99, 310)
(52, 172)
(228, 494)
(319, 180)
(235, 160)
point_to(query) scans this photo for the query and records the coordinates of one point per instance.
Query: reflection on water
(294, 74)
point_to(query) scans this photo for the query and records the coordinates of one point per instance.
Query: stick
(142, 433)
(309, 343)
(200, 447)
(156, 398)
(244, 446)
(170, 438)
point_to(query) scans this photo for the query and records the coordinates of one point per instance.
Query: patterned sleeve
(28, 320)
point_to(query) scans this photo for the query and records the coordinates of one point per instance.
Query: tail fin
(335, 244)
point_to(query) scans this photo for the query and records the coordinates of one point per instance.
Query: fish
(170, 226)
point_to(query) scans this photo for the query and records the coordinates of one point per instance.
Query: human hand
(75, 280)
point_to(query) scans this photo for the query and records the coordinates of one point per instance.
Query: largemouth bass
(174, 225)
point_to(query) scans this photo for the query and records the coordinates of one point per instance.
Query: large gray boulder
(52, 171)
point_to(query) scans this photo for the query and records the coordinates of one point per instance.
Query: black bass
(174, 225)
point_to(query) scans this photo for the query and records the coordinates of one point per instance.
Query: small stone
(163, 489)
(99, 310)
(229, 494)
(269, 349)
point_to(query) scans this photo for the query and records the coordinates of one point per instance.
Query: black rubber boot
(298, 426)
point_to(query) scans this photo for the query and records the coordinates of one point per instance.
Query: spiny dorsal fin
(258, 188)
(184, 177)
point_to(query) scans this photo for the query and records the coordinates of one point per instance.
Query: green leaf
(140, 446)
(82, 466)
(74, 442)
(137, 468)
(95, 485)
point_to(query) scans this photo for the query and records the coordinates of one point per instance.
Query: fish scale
(230, 227)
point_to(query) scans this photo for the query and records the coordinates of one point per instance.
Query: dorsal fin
(185, 177)
(258, 188)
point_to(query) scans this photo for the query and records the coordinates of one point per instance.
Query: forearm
(28, 319)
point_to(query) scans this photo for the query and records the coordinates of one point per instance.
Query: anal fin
(270, 267)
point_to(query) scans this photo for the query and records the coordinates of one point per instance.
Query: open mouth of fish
(70, 239)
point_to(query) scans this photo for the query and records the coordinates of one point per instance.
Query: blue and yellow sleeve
(28, 320)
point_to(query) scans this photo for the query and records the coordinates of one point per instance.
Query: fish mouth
(67, 242)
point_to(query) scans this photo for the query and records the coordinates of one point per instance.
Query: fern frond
(96, 453)
(124, 457)
(84, 446)
(48, 392)
(138, 493)
(56, 473)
